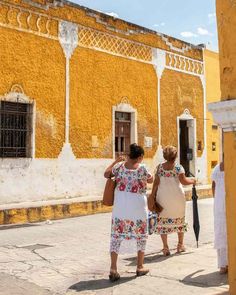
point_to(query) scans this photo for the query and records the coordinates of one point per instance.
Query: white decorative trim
(124, 106)
(172, 47)
(159, 63)
(184, 64)
(66, 154)
(17, 95)
(28, 21)
(68, 37)
(186, 116)
(111, 44)
(159, 60)
(224, 114)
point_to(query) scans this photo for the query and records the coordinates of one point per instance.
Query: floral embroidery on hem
(128, 229)
(170, 225)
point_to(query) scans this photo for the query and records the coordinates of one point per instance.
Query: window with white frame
(15, 129)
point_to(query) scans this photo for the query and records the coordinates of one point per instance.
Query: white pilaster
(224, 114)
(159, 63)
(68, 37)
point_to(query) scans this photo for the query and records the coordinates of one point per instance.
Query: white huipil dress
(129, 215)
(220, 243)
(170, 195)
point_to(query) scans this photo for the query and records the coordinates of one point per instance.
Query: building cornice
(224, 114)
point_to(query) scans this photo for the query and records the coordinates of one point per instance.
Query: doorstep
(29, 212)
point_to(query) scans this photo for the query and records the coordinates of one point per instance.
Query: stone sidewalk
(71, 257)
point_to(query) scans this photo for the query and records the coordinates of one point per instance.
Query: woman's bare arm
(186, 181)
(150, 179)
(108, 171)
(155, 186)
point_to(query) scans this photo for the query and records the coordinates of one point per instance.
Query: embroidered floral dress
(171, 197)
(129, 215)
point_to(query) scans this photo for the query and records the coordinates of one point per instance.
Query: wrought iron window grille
(15, 129)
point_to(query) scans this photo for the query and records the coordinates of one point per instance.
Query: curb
(61, 211)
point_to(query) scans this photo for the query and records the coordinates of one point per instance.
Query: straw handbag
(108, 194)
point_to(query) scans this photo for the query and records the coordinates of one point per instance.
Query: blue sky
(189, 20)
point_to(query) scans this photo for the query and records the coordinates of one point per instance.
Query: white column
(68, 37)
(159, 63)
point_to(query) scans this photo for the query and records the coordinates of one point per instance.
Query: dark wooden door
(184, 145)
(122, 133)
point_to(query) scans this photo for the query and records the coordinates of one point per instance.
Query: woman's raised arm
(108, 171)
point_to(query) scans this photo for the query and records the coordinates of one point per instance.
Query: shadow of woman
(99, 284)
(153, 258)
(214, 279)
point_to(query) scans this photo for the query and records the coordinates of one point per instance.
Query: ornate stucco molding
(68, 37)
(224, 114)
(28, 21)
(159, 61)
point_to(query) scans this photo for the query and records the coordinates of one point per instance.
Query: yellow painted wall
(213, 94)
(100, 81)
(226, 19)
(38, 65)
(180, 91)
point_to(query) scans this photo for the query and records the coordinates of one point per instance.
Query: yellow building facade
(78, 86)
(213, 94)
(224, 114)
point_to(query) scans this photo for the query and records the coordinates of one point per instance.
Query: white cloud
(212, 17)
(162, 24)
(188, 34)
(112, 14)
(202, 31)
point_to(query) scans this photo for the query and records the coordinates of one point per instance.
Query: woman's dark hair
(135, 151)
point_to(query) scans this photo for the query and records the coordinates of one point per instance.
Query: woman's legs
(222, 260)
(165, 250)
(114, 257)
(140, 259)
(180, 247)
(114, 250)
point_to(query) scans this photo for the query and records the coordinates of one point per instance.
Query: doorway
(186, 145)
(122, 133)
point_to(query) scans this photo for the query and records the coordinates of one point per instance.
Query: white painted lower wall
(23, 180)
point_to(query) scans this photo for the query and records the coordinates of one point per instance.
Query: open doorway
(187, 144)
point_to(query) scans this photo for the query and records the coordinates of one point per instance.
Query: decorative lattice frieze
(97, 40)
(18, 18)
(184, 64)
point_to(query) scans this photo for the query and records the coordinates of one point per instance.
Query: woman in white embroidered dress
(169, 193)
(129, 215)
(220, 244)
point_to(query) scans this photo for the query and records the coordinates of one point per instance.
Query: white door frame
(125, 108)
(191, 121)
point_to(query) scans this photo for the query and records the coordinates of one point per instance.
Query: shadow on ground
(214, 279)
(153, 258)
(97, 284)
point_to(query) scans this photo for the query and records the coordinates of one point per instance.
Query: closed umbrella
(196, 223)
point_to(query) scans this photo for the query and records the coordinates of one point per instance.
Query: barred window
(15, 129)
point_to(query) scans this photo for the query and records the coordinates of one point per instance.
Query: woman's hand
(108, 171)
(186, 181)
(119, 159)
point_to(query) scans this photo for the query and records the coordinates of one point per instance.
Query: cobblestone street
(71, 256)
